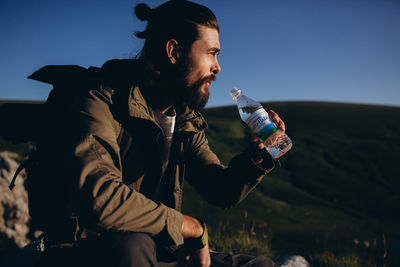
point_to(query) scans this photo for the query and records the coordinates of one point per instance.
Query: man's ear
(172, 49)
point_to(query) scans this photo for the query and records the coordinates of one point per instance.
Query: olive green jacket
(130, 195)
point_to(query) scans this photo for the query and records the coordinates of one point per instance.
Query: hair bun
(143, 11)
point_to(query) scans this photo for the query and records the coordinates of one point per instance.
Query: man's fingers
(256, 141)
(277, 120)
(281, 125)
(274, 116)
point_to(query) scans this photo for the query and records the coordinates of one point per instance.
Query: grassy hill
(334, 198)
(337, 189)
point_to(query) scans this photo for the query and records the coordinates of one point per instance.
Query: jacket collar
(187, 120)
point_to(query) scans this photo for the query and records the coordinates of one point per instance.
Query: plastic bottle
(254, 115)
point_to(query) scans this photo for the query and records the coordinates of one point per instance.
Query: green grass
(329, 259)
(253, 240)
(339, 183)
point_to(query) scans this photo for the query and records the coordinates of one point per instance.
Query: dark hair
(175, 19)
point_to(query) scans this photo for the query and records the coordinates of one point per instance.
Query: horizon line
(39, 101)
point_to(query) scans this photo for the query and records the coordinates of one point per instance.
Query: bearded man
(131, 140)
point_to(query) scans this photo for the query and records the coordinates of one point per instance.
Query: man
(119, 207)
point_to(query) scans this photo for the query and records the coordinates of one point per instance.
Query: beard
(197, 95)
(194, 95)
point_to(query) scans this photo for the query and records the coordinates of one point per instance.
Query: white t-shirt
(167, 124)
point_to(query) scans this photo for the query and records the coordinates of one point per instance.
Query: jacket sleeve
(102, 200)
(220, 185)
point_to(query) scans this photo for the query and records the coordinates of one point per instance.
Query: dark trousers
(136, 250)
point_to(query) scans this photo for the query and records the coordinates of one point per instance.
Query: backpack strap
(124, 141)
(24, 164)
(19, 169)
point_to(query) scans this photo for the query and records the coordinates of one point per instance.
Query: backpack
(40, 124)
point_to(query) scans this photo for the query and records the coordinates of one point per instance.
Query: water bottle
(254, 115)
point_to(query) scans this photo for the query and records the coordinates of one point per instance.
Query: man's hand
(201, 257)
(191, 228)
(257, 143)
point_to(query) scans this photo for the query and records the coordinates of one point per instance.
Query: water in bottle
(254, 115)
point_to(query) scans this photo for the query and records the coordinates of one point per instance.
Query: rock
(293, 261)
(14, 216)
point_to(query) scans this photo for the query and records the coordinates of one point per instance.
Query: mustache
(210, 78)
(202, 81)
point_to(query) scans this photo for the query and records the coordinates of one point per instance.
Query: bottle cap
(235, 92)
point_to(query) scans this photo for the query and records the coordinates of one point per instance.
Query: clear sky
(275, 50)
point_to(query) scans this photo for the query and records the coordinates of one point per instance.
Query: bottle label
(260, 123)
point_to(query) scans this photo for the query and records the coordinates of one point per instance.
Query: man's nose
(216, 69)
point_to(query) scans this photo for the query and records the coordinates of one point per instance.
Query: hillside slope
(339, 183)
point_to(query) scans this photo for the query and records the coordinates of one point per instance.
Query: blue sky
(275, 50)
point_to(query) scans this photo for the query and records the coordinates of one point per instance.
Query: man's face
(201, 67)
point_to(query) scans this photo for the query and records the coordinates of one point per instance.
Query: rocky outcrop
(14, 215)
